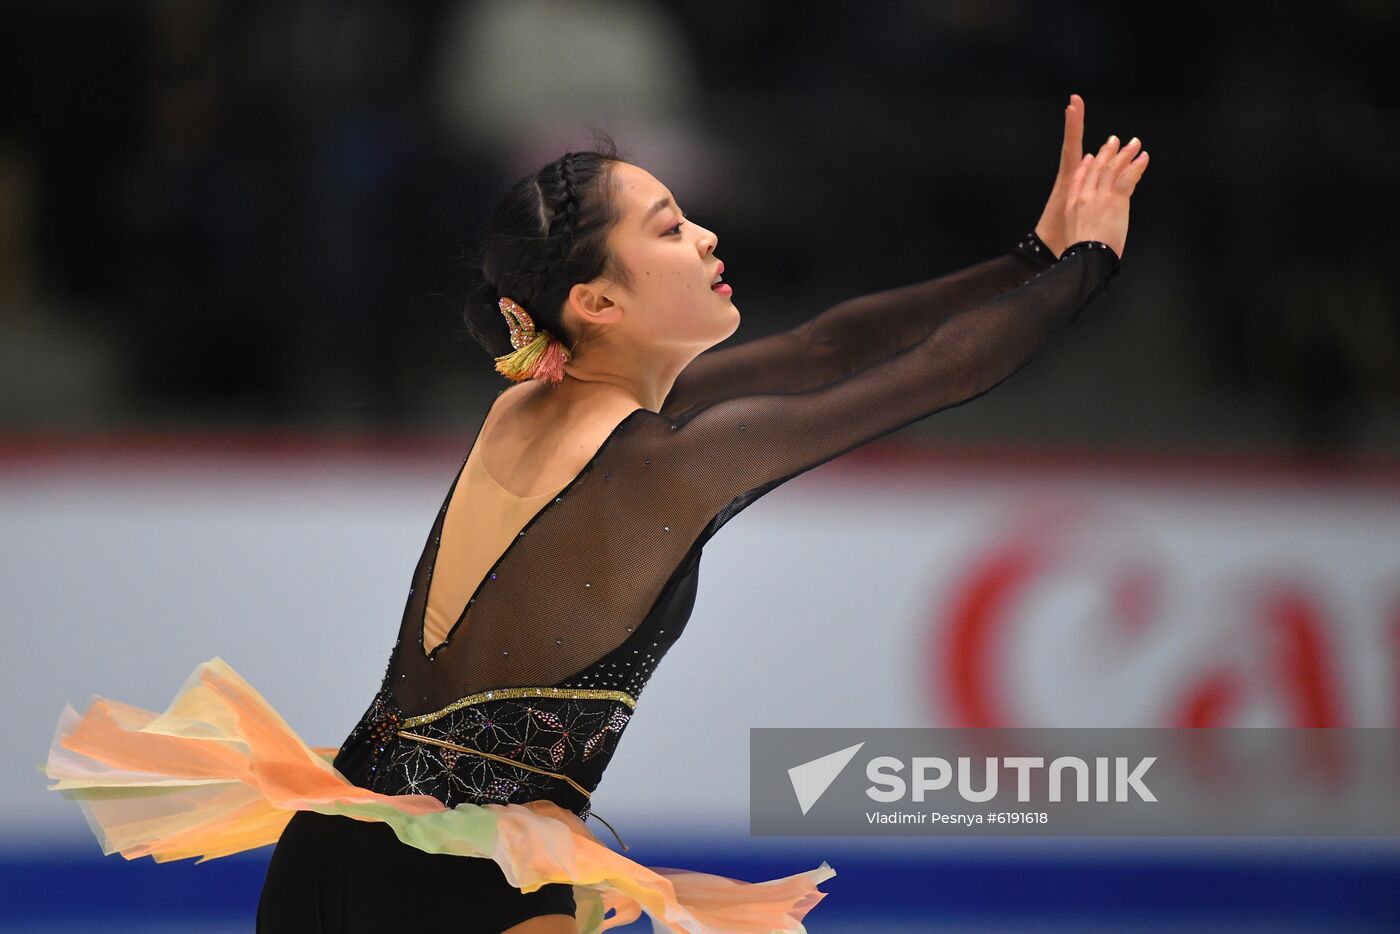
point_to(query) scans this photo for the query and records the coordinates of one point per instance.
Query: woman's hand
(1051, 226)
(1096, 204)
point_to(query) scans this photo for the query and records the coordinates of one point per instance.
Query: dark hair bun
(548, 232)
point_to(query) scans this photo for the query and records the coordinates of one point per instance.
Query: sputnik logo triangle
(810, 780)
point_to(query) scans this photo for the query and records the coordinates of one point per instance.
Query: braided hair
(548, 232)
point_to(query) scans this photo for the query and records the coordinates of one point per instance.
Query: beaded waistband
(432, 740)
(514, 693)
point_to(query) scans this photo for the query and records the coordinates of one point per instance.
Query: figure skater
(564, 561)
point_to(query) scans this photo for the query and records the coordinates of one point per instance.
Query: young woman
(564, 562)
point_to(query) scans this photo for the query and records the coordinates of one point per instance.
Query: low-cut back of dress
(481, 521)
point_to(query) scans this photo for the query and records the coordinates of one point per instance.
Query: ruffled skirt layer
(220, 772)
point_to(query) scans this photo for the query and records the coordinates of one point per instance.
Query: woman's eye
(677, 229)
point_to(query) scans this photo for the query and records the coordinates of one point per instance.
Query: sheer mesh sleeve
(735, 449)
(852, 335)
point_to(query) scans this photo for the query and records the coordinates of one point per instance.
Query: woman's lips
(723, 288)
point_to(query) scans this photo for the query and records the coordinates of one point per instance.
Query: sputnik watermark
(1212, 782)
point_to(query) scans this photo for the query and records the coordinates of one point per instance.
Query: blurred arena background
(234, 386)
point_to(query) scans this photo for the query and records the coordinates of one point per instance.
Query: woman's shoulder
(538, 440)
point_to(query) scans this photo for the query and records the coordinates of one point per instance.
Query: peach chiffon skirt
(220, 772)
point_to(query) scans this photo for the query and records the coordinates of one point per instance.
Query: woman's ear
(589, 305)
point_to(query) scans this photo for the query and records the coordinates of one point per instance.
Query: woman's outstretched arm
(731, 452)
(854, 334)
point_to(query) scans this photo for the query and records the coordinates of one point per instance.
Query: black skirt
(338, 875)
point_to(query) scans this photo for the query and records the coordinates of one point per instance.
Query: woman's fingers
(1125, 155)
(1128, 178)
(1096, 168)
(1114, 169)
(1072, 149)
(1076, 183)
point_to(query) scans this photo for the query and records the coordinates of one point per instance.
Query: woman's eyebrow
(656, 207)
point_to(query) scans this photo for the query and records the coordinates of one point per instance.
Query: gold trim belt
(434, 741)
(514, 693)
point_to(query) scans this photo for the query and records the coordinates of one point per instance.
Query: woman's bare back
(529, 448)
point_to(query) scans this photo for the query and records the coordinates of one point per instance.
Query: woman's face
(672, 264)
